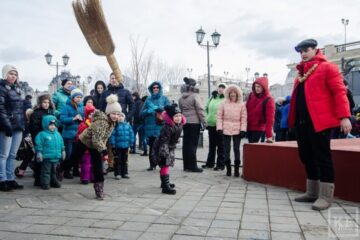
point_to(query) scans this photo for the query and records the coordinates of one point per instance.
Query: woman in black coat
(12, 125)
(99, 88)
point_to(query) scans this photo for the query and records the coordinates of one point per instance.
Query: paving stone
(197, 222)
(107, 224)
(124, 235)
(162, 228)
(192, 231)
(217, 223)
(68, 231)
(186, 237)
(281, 227)
(154, 235)
(11, 227)
(228, 216)
(285, 220)
(255, 226)
(222, 232)
(254, 234)
(135, 226)
(286, 236)
(255, 218)
(39, 229)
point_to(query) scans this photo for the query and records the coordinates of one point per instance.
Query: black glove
(242, 134)
(220, 132)
(8, 133)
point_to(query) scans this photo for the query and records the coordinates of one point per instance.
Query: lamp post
(247, 69)
(226, 74)
(200, 34)
(345, 22)
(89, 80)
(48, 58)
(189, 71)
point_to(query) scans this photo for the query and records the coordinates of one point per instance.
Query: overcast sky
(259, 34)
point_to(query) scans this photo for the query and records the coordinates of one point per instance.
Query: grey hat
(305, 44)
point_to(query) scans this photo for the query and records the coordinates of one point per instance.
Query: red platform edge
(278, 164)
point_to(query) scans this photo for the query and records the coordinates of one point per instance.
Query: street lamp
(345, 22)
(226, 73)
(200, 34)
(247, 69)
(189, 71)
(65, 58)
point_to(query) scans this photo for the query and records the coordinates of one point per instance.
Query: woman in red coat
(318, 103)
(261, 111)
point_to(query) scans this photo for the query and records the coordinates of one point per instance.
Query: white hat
(6, 69)
(112, 104)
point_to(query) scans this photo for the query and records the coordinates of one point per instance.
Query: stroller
(25, 153)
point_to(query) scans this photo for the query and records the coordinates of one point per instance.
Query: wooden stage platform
(279, 164)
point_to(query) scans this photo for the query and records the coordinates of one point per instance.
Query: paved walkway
(207, 205)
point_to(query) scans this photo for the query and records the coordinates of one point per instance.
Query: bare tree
(141, 64)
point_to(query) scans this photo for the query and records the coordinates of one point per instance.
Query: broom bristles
(91, 19)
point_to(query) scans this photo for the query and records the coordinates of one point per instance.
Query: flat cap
(305, 44)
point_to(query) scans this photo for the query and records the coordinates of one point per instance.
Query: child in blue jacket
(121, 139)
(49, 147)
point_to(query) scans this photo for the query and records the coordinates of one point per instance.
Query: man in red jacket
(260, 108)
(318, 104)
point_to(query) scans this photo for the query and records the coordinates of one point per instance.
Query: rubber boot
(172, 185)
(326, 196)
(312, 192)
(99, 190)
(228, 170)
(236, 171)
(166, 186)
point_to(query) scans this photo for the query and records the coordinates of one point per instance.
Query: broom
(91, 19)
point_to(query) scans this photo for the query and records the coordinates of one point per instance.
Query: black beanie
(189, 81)
(171, 110)
(64, 81)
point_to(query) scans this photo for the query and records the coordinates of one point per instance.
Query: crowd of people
(69, 135)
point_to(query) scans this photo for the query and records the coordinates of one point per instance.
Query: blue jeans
(143, 137)
(69, 145)
(8, 149)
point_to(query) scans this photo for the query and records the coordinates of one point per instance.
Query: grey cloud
(268, 41)
(16, 53)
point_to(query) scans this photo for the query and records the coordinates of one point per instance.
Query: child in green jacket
(49, 147)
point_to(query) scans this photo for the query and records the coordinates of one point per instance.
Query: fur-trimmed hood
(41, 98)
(235, 88)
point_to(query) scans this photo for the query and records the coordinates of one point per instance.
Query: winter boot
(124, 171)
(172, 185)
(4, 187)
(326, 196)
(99, 190)
(166, 186)
(12, 184)
(236, 171)
(228, 170)
(312, 192)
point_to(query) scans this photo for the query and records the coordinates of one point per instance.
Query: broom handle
(115, 67)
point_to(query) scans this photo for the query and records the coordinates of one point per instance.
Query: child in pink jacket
(232, 122)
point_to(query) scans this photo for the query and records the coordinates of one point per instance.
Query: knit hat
(87, 98)
(76, 92)
(64, 81)
(222, 85)
(112, 104)
(52, 122)
(172, 110)
(6, 69)
(189, 81)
